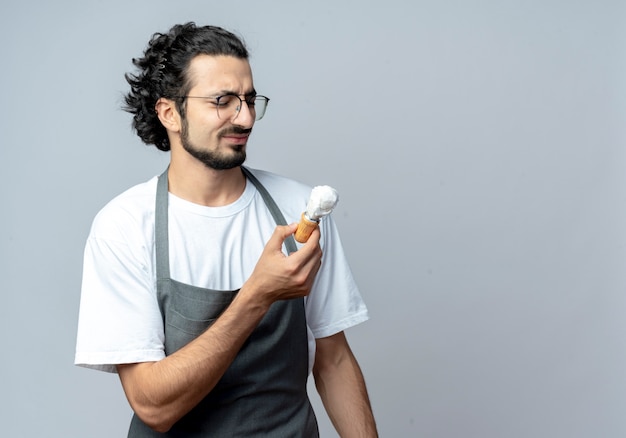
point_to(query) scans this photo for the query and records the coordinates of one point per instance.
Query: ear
(168, 114)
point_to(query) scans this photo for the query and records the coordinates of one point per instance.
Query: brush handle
(305, 228)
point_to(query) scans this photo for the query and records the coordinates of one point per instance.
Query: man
(194, 291)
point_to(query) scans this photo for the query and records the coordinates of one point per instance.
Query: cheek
(203, 128)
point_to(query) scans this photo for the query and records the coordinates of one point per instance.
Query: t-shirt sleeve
(335, 302)
(119, 318)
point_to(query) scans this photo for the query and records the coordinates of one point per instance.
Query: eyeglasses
(228, 106)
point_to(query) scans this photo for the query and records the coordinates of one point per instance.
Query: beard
(214, 159)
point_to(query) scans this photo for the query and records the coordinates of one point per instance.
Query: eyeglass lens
(229, 106)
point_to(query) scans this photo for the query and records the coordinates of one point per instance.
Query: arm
(162, 392)
(341, 386)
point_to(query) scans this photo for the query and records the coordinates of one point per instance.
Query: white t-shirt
(210, 247)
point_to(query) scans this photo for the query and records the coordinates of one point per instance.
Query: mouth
(236, 136)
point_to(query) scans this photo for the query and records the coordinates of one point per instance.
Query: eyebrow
(234, 93)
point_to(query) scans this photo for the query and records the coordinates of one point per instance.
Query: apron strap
(161, 240)
(290, 243)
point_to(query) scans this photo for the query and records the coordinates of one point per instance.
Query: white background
(479, 151)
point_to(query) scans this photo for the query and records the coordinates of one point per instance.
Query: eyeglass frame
(238, 109)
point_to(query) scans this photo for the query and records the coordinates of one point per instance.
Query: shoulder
(131, 210)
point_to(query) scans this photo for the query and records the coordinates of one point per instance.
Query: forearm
(162, 392)
(342, 389)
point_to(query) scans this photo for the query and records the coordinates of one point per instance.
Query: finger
(281, 232)
(313, 240)
(310, 253)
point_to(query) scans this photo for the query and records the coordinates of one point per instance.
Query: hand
(277, 276)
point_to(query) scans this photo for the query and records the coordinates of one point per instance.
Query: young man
(194, 291)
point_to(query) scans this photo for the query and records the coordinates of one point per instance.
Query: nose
(244, 115)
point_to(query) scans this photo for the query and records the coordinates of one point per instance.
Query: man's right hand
(279, 277)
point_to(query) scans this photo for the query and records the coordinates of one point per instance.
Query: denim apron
(263, 392)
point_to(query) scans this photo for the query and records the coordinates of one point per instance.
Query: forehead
(220, 73)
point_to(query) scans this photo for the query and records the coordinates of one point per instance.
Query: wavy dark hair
(163, 73)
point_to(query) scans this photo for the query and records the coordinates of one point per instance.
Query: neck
(195, 182)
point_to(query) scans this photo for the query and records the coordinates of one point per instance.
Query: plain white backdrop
(479, 149)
